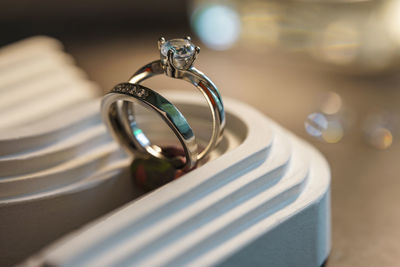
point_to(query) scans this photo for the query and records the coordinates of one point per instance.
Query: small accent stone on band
(131, 89)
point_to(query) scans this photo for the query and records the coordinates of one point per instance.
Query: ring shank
(198, 79)
(131, 137)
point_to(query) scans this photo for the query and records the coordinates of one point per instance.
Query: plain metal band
(134, 140)
(205, 85)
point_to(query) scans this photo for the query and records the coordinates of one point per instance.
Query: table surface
(287, 87)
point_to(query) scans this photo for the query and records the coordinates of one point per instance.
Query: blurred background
(327, 70)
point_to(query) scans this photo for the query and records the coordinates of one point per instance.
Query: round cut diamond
(183, 49)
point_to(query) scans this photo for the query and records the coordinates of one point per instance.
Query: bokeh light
(260, 22)
(334, 133)
(380, 138)
(315, 124)
(218, 26)
(358, 37)
(392, 14)
(379, 128)
(328, 129)
(331, 103)
(340, 43)
(331, 119)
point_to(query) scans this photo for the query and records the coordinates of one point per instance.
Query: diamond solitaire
(179, 53)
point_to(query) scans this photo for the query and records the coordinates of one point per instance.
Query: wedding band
(176, 60)
(135, 141)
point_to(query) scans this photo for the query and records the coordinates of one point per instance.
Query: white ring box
(261, 198)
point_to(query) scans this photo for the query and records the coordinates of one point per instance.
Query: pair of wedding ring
(176, 60)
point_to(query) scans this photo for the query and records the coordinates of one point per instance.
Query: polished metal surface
(167, 65)
(133, 139)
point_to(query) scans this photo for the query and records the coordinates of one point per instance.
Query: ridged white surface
(51, 134)
(59, 169)
(209, 215)
(53, 146)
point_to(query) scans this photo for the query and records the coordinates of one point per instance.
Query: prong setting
(177, 55)
(160, 42)
(171, 58)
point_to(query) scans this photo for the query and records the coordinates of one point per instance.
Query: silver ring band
(134, 140)
(176, 60)
(177, 63)
(206, 87)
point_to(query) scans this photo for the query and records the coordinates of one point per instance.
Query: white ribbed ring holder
(262, 199)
